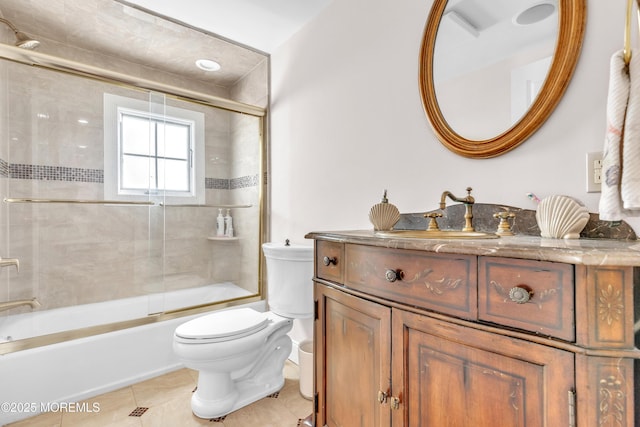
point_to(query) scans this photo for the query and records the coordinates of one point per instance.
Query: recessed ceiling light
(207, 65)
(534, 14)
(83, 121)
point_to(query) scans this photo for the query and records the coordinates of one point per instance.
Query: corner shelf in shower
(223, 239)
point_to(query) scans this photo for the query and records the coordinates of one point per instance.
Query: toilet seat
(222, 326)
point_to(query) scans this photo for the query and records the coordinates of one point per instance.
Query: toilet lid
(223, 325)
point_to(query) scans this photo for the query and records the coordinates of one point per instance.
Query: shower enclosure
(110, 189)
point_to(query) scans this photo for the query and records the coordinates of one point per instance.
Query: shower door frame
(53, 63)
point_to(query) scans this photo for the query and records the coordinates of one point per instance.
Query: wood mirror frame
(571, 17)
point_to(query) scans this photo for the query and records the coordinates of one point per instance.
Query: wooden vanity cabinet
(450, 375)
(354, 360)
(441, 375)
(383, 359)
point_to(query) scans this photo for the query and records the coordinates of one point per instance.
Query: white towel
(620, 195)
(630, 186)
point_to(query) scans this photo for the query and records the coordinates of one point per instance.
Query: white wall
(347, 122)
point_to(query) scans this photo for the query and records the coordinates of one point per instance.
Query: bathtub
(74, 370)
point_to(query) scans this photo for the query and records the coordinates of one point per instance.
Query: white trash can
(305, 361)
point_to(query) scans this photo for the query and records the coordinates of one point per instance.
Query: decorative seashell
(561, 217)
(384, 215)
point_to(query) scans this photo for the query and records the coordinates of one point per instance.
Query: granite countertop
(600, 243)
(573, 251)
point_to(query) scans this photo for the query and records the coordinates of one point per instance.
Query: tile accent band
(68, 174)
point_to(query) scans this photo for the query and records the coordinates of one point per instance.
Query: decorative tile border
(61, 173)
(243, 182)
(231, 184)
(4, 169)
(55, 173)
(216, 184)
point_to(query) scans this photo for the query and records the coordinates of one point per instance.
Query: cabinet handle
(328, 261)
(520, 294)
(382, 396)
(393, 275)
(395, 402)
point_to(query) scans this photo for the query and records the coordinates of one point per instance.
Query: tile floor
(168, 401)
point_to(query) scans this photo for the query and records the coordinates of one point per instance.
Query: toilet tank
(289, 279)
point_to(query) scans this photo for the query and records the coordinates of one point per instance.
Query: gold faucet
(6, 262)
(8, 305)
(468, 204)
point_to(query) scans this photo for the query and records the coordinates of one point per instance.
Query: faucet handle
(469, 197)
(504, 229)
(433, 224)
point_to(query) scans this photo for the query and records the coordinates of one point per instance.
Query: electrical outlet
(594, 172)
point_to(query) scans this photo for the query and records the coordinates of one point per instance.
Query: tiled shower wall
(76, 254)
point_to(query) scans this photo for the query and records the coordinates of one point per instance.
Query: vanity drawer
(536, 296)
(442, 283)
(330, 261)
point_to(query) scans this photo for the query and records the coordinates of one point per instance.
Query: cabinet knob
(520, 295)
(393, 275)
(328, 261)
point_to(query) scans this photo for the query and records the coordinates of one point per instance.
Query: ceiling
(236, 33)
(474, 34)
(260, 24)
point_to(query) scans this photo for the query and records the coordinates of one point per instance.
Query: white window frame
(114, 106)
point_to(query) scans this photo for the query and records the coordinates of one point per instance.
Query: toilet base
(247, 394)
(219, 394)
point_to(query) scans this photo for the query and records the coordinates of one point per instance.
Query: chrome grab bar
(118, 202)
(7, 262)
(88, 202)
(204, 206)
(8, 305)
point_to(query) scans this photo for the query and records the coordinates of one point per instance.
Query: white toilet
(240, 353)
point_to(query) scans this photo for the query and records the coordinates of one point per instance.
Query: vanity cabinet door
(456, 376)
(353, 360)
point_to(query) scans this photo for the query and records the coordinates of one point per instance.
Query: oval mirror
(492, 71)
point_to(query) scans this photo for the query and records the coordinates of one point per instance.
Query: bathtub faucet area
(8, 305)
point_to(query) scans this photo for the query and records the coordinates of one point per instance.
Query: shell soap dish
(384, 215)
(561, 217)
